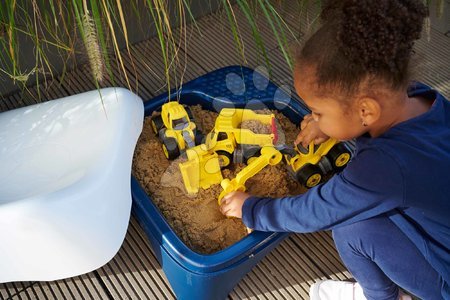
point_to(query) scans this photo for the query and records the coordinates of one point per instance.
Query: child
(390, 208)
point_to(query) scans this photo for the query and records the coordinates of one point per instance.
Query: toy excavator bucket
(269, 156)
(201, 170)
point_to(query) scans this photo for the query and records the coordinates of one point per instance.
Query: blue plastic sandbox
(193, 275)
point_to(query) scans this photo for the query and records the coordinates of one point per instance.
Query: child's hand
(231, 204)
(310, 131)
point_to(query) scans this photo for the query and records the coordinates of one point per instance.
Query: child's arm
(370, 185)
(231, 204)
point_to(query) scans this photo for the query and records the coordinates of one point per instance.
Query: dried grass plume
(92, 47)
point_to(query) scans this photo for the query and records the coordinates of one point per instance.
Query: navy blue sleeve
(371, 184)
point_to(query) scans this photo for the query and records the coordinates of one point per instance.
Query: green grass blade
(245, 8)
(281, 41)
(234, 29)
(191, 15)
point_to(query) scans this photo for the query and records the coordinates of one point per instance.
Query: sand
(196, 219)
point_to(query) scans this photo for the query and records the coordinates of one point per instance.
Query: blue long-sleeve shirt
(404, 173)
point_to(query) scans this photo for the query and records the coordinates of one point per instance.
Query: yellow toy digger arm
(269, 155)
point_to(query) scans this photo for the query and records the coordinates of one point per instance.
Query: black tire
(170, 148)
(157, 124)
(199, 137)
(309, 175)
(225, 159)
(339, 156)
(250, 153)
(189, 113)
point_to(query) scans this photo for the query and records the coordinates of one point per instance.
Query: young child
(389, 209)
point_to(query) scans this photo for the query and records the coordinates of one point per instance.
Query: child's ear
(369, 110)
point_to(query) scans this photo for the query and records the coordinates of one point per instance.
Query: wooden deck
(134, 272)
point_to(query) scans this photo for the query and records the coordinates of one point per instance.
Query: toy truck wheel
(339, 156)
(189, 113)
(157, 124)
(170, 148)
(225, 158)
(251, 154)
(309, 176)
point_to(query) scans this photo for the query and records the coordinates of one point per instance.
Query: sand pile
(256, 126)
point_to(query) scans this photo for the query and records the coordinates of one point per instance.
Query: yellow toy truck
(175, 128)
(310, 164)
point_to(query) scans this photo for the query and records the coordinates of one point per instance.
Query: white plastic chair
(65, 195)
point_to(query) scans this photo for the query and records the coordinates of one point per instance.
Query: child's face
(335, 119)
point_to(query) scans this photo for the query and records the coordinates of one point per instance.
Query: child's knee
(359, 235)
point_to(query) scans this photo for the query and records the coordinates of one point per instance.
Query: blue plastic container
(193, 275)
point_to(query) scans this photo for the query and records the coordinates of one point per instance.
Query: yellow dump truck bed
(230, 119)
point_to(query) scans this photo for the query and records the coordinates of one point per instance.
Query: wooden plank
(134, 272)
(143, 251)
(152, 68)
(12, 290)
(211, 48)
(432, 63)
(325, 263)
(80, 287)
(284, 274)
(5, 104)
(17, 101)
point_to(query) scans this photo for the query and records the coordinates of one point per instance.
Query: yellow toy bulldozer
(201, 170)
(175, 128)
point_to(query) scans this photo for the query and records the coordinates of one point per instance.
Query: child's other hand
(310, 131)
(231, 204)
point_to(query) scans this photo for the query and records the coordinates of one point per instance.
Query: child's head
(359, 55)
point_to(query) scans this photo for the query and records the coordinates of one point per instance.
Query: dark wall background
(138, 30)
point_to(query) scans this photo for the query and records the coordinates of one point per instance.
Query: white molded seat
(65, 196)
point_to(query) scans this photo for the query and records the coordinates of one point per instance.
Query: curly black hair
(362, 39)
